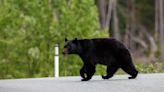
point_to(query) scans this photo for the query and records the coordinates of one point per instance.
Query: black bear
(105, 51)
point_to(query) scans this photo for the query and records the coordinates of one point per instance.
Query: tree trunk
(130, 25)
(115, 21)
(157, 20)
(107, 10)
(101, 6)
(161, 31)
(112, 20)
(109, 16)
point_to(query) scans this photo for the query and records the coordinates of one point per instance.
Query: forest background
(29, 30)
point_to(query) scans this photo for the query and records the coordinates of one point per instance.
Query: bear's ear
(75, 40)
(66, 39)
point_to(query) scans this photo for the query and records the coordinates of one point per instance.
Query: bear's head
(70, 47)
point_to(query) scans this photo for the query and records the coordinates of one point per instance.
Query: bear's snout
(65, 51)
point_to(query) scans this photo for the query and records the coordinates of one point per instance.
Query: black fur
(105, 51)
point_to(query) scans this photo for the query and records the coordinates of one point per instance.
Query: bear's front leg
(90, 70)
(82, 72)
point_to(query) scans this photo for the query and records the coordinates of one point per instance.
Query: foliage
(30, 29)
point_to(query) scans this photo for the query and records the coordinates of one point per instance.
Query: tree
(101, 4)
(107, 10)
(115, 21)
(130, 24)
(156, 19)
(161, 28)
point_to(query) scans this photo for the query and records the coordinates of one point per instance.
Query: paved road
(119, 83)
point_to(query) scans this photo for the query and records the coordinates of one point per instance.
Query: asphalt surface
(119, 83)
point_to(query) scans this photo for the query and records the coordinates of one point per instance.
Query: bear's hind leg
(134, 75)
(130, 70)
(110, 72)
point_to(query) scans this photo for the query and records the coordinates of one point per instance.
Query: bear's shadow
(106, 80)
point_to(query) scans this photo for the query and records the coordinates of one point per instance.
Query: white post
(56, 60)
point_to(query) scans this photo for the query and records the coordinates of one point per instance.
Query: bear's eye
(67, 46)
